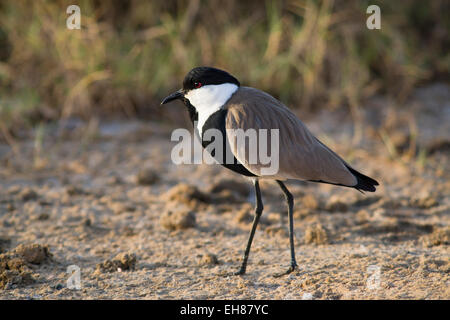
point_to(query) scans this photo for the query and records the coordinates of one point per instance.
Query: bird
(215, 99)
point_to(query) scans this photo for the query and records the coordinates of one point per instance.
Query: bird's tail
(364, 183)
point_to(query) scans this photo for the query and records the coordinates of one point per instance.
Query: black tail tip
(364, 183)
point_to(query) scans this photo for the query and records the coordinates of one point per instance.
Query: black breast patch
(217, 121)
(192, 112)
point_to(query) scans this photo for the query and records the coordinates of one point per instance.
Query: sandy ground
(106, 198)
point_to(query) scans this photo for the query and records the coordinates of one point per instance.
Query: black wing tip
(364, 183)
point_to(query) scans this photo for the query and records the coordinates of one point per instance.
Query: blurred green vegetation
(128, 55)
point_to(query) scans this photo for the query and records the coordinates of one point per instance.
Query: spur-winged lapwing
(215, 99)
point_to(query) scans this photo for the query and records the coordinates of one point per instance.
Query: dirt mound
(229, 191)
(208, 259)
(4, 243)
(439, 237)
(424, 200)
(178, 218)
(33, 253)
(228, 184)
(121, 262)
(186, 194)
(147, 177)
(27, 194)
(15, 265)
(245, 214)
(336, 204)
(309, 201)
(317, 235)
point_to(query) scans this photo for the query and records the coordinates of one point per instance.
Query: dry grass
(127, 56)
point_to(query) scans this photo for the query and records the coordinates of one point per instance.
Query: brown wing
(301, 155)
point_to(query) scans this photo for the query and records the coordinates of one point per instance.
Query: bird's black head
(199, 77)
(202, 76)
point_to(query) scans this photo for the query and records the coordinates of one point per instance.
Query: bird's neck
(209, 99)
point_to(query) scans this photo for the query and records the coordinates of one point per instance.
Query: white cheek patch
(209, 99)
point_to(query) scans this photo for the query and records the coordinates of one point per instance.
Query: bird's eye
(197, 84)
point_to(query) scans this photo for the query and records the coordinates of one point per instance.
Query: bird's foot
(240, 272)
(292, 268)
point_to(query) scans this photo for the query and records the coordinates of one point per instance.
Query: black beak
(174, 96)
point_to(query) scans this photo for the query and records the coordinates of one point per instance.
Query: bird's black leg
(258, 212)
(290, 202)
